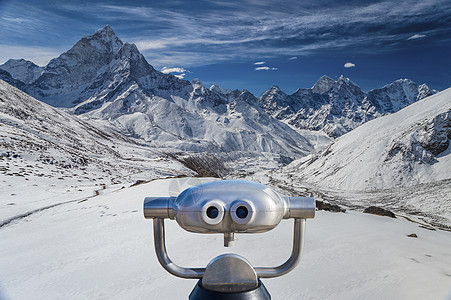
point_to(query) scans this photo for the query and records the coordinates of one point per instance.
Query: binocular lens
(241, 212)
(212, 212)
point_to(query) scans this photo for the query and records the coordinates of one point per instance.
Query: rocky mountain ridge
(337, 107)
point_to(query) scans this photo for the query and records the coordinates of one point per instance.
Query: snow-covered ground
(102, 248)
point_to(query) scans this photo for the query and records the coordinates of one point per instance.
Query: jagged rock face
(437, 134)
(23, 70)
(276, 102)
(423, 144)
(397, 95)
(323, 84)
(337, 107)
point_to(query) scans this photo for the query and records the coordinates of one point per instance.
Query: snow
(21, 69)
(102, 248)
(361, 159)
(337, 107)
(399, 161)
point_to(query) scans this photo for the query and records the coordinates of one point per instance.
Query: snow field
(102, 248)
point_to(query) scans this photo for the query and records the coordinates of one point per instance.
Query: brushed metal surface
(265, 209)
(229, 273)
(163, 258)
(301, 207)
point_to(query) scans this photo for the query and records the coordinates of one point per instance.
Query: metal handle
(163, 258)
(198, 273)
(295, 257)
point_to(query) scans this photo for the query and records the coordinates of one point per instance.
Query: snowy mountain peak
(346, 80)
(323, 84)
(97, 69)
(197, 83)
(424, 91)
(21, 69)
(273, 91)
(106, 30)
(219, 90)
(104, 40)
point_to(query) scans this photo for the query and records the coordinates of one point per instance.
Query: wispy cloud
(214, 31)
(416, 36)
(167, 70)
(259, 63)
(265, 69)
(349, 65)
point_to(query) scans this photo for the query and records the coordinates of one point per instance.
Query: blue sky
(294, 42)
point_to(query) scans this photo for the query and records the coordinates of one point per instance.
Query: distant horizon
(250, 45)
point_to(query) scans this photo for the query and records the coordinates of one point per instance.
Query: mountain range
(332, 132)
(106, 78)
(337, 107)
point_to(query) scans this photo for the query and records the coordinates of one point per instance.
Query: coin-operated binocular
(229, 207)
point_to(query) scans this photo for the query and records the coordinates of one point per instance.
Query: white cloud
(293, 58)
(167, 70)
(349, 65)
(146, 45)
(259, 63)
(180, 76)
(416, 36)
(265, 69)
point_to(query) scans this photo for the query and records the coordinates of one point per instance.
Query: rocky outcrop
(374, 210)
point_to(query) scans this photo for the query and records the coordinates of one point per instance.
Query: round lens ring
(242, 212)
(212, 212)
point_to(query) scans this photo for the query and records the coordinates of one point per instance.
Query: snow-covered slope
(23, 70)
(102, 248)
(336, 107)
(400, 161)
(402, 149)
(41, 146)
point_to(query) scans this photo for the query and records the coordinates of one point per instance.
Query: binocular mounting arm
(163, 258)
(198, 273)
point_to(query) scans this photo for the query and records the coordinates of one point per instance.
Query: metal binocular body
(229, 207)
